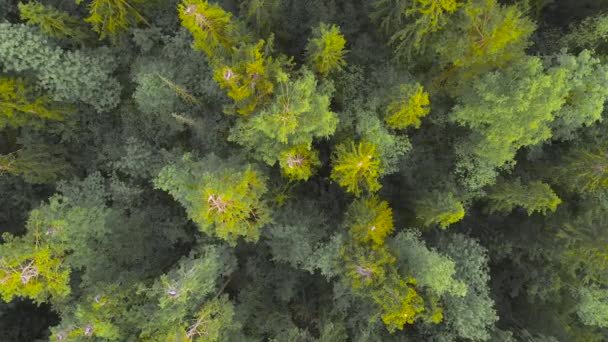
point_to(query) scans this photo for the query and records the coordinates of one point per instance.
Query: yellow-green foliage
(430, 15)
(110, 18)
(356, 167)
(53, 22)
(210, 25)
(534, 197)
(36, 273)
(490, 34)
(248, 77)
(19, 107)
(230, 203)
(439, 208)
(584, 170)
(370, 220)
(406, 110)
(399, 302)
(299, 163)
(325, 49)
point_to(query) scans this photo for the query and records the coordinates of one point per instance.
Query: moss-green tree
(53, 22)
(19, 105)
(533, 197)
(407, 107)
(439, 208)
(110, 18)
(356, 167)
(223, 201)
(325, 49)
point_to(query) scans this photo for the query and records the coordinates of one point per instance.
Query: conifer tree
(53, 22)
(406, 109)
(20, 107)
(356, 167)
(325, 49)
(487, 35)
(439, 208)
(223, 201)
(299, 163)
(211, 26)
(36, 164)
(533, 197)
(298, 113)
(110, 18)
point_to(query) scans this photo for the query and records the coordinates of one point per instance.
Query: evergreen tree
(325, 49)
(53, 22)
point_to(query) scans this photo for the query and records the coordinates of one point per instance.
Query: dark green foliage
(288, 170)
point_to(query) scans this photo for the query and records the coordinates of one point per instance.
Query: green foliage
(247, 77)
(53, 22)
(591, 33)
(69, 76)
(488, 34)
(584, 170)
(356, 167)
(593, 307)
(370, 221)
(110, 18)
(427, 17)
(408, 107)
(439, 208)
(430, 269)
(36, 164)
(587, 94)
(222, 201)
(299, 163)
(210, 25)
(298, 113)
(325, 49)
(509, 110)
(533, 197)
(19, 107)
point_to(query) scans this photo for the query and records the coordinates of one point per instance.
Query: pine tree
(583, 170)
(110, 18)
(19, 107)
(225, 201)
(370, 220)
(36, 164)
(325, 49)
(406, 109)
(248, 76)
(488, 35)
(299, 113)
(53, 22)
(533, 197)
(211, 26)
(356, 167)
(439, 208)
(299, 163)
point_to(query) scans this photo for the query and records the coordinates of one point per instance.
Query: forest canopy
(288, 170)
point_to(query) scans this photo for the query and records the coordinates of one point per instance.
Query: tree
(222, 201)
(53, 22)
(36, 164)
(356, 167)
(487, 35)
(583, 169)
(19, 107)
(534, 197)
(248, 77)
(211, 26)
(408, 107)
(299, 163)
(299, 112)
(592, 307)
(427, 17)
(70, 76)
(510, 109)
(430, 269)
(439, 208)
(110, 18)
(325, 49)
(370, 220)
